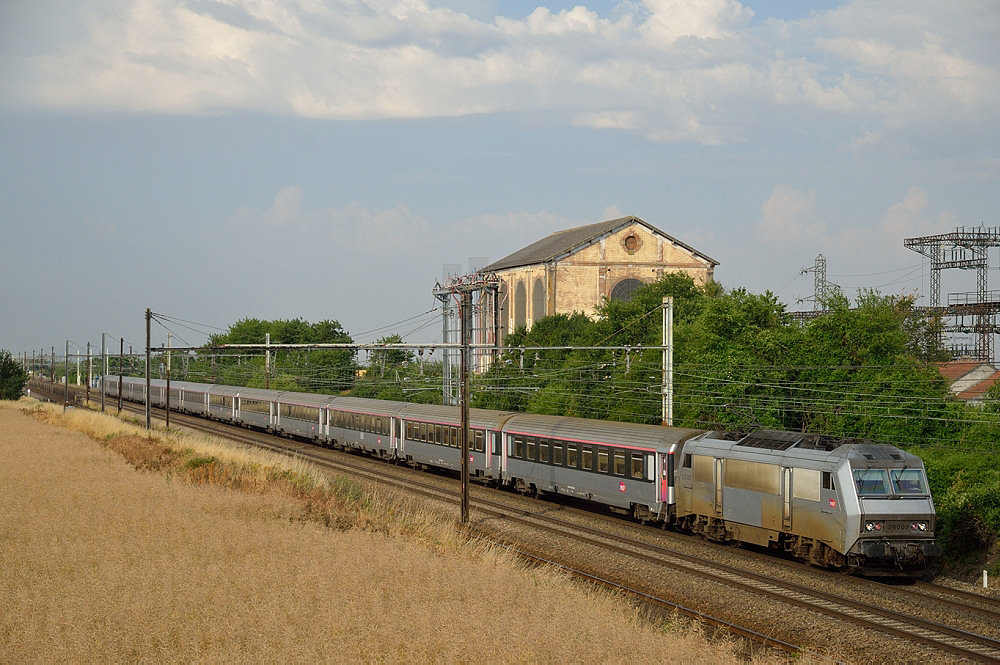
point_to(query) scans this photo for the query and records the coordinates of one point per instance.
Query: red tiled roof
(958, 368)
(978, 390)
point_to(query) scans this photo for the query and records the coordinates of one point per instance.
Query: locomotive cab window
(687, 461)
(828, 483)
(908, 481)
(871, 481)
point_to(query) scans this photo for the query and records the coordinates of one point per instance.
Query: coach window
(480, 441)
(439, 436)
(588, 458)
(637, 465)
(532, 445)
(519, 447)
(571, 455)
(619, 462)
(543, 451)
(602, 460)
(557, 453)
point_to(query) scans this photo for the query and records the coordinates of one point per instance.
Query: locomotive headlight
(919, 526)
(873, 527)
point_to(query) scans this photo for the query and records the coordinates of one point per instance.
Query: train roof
(378, 407)
(779, 445)
(598, 431)
(450, 414)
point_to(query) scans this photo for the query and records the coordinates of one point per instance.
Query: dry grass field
(118, 547)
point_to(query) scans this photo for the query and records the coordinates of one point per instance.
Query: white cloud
(790, 215)
(911, 217)
(285, 212)
(670, 70)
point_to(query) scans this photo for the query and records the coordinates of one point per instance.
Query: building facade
(575, 270)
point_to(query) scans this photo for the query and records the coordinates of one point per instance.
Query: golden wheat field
(118, 547)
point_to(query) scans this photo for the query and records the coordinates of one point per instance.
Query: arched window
(520, 305)
(624, 289)
(537, 300)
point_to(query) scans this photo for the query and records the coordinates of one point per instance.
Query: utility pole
(53, 363)
(149, 316)
(168, 381)
(466, 314)
(66, 402)
(104, 367)
(267, 361)
(121, 370)
(668, 361)
(90, 372)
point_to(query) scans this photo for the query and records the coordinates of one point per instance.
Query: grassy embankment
(217, 553)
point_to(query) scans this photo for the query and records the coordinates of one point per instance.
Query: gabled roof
(564, 243)
(969, 379)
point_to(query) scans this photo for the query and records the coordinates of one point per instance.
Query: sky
(215, 160)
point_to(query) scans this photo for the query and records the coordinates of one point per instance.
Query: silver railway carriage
(848, 504)
(622, 465)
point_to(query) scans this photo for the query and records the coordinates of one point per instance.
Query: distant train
(846, 504)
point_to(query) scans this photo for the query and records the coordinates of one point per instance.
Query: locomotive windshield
(871, 481)
(908, 481)
(877, 481)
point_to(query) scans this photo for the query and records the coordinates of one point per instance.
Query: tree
(13, 378)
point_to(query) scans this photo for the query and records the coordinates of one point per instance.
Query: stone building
(576, 269)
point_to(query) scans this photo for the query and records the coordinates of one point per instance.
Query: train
(847, 504)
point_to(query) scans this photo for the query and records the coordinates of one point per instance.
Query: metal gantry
(964, 249)
(483, 326)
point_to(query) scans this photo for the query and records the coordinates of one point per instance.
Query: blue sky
(216, 160)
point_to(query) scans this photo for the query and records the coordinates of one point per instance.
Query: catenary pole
(149, 316)
(121, 371)
(668, 361)
(466, 314)
(90, 372)
(104, 366)
(167, 400)
(66, 402)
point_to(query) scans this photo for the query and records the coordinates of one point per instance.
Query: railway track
(943, 638)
